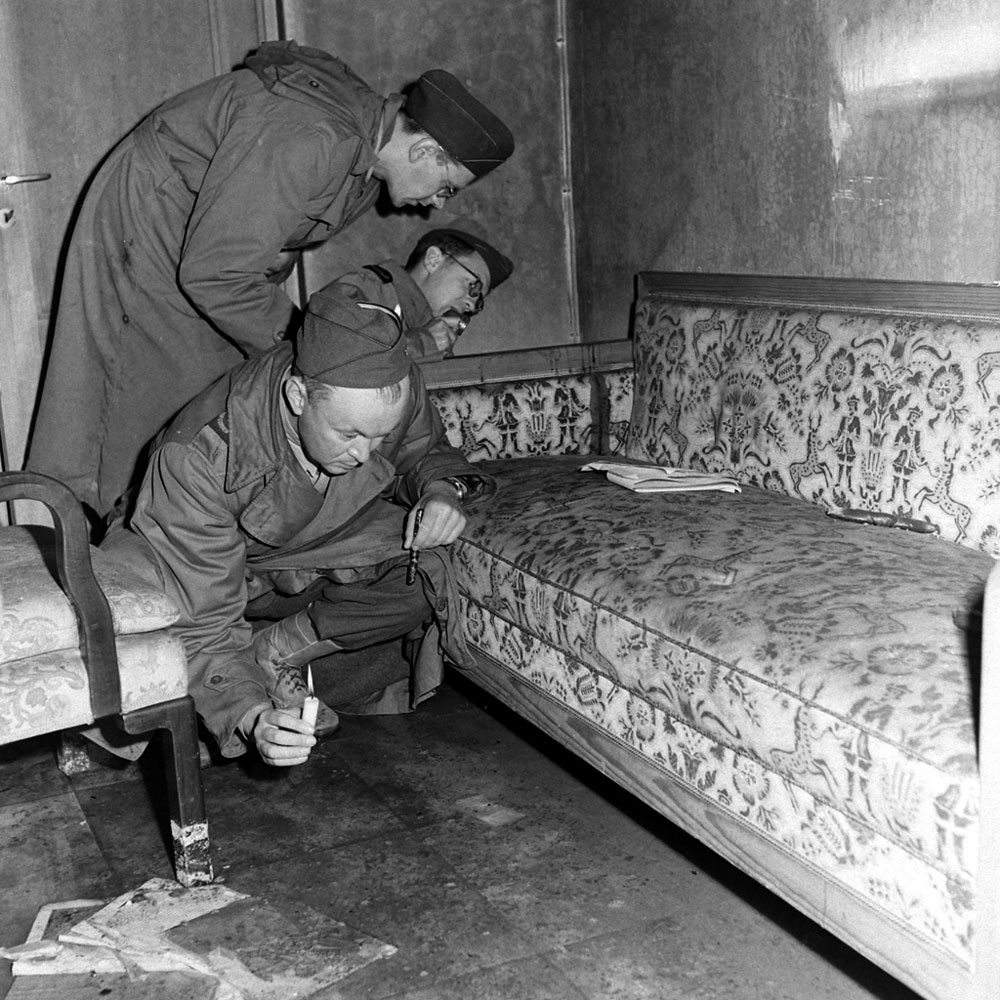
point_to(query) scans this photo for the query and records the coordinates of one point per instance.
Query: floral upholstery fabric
(49, 692)
(35, 616)
(43, 681)
(557, 416)
(620, 387)
(845, 409)
(809, 676)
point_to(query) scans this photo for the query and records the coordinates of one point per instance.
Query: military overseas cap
(500, 267)
(358, 345)
(466, 129)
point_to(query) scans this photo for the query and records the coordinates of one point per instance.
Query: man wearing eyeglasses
(191, 224)
(437, 293)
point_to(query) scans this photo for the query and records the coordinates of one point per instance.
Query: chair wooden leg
(72, 754)
(189, 826)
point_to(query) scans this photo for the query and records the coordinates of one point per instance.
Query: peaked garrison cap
(499, 266)
(466, 129)
(359, 345)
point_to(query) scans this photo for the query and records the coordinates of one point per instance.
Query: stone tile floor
(586, 895)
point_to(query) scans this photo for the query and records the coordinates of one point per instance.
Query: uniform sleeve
(183, 519)
(254, 197)
(426, 454)
(422, 346)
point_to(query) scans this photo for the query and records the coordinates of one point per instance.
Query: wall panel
(828, 137)
(508, 53)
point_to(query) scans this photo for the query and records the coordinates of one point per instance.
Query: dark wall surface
(853, 138)
(507, 54)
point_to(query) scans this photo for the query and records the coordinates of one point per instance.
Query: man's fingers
(441, 529)
(299, 758)
(282, 738)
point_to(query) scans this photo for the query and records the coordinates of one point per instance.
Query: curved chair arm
(77, 581)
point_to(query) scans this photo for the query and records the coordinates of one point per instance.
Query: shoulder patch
(380, 272)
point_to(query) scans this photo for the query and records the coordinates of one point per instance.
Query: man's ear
(295, 394)
(425, 146)
(434, 257)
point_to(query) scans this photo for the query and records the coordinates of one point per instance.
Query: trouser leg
(373, 622)
(349, 632)
(349, 679)
(358, 615)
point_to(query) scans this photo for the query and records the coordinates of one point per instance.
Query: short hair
(411, 126)
(315, 389)
(450, 246)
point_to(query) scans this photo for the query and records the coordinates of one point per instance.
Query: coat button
(442, 605)
(216, 679)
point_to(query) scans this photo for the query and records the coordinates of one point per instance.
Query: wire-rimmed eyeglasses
(447, 190)
(475, 289)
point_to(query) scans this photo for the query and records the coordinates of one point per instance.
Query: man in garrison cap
(288, 492)
(174, 271)
(437, 293)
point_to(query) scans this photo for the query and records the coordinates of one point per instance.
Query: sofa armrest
(76, 578)
(987, 926)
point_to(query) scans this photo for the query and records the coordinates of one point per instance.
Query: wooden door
(75, 76)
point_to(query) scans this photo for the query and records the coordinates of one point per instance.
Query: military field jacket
(225, 509)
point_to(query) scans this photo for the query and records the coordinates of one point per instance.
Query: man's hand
(282, 738)
(443, 518)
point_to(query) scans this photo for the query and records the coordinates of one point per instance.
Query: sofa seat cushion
(35, 616)
(50, 691)
(810, 675)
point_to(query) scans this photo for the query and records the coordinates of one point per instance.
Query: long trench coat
(225, 513)
(172, 272)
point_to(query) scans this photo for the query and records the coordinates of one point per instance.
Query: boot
(281, 650)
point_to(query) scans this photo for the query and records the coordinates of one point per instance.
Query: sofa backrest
(870, 394)
(567, 400)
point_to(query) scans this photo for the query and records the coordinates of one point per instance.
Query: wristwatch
(458, 486)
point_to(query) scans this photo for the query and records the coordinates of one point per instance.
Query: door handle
(9, 179)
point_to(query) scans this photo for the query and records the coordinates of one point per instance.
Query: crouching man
(290, 491)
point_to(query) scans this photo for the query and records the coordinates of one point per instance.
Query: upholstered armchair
(84, 641)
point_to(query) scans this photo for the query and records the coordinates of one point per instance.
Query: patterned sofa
(801, 693)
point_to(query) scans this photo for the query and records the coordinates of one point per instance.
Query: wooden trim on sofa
(529, 363)
(986, 923)
(919, 298)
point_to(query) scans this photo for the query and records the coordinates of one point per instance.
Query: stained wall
(508, 54)
(855, 138)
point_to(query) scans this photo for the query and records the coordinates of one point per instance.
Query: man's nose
(360, 451)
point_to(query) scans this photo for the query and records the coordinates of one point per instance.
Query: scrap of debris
(204, 943)
(489, 812)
